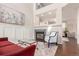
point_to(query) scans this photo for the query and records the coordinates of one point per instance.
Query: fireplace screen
(40, 36)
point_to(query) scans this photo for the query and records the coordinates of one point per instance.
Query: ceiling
(40, 5)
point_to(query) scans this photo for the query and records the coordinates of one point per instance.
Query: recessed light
(42, 14)
(49, 13)
(38, 3)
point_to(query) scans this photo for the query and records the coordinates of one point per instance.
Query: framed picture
(11, 16)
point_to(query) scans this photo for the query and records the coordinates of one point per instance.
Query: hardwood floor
(68, 48)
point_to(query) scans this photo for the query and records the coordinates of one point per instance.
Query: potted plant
(65, 32)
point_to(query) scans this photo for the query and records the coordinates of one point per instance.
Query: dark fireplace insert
(40, 35)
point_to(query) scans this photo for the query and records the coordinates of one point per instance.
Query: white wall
(15, 32)
(70, 16)
(59, 21)
(78, 26)
(56, 27)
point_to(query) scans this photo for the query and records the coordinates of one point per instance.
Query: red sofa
(9, 49)
(4, 42)
(4, 39)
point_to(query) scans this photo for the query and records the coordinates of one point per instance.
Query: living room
(38, 29)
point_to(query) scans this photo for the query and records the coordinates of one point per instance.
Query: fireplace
(40, 35)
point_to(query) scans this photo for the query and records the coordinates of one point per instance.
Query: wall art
(11, 16)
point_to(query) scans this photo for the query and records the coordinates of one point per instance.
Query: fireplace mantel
(45, 27)
(57, 28)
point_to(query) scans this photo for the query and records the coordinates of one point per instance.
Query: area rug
(43, 50)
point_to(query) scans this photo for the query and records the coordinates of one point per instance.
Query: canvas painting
(11, 16)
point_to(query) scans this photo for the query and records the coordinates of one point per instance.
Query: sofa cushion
(4, 39)
(14, 50)
(9, 49)
(5, 43)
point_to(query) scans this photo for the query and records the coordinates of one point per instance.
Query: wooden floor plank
(70, 48)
